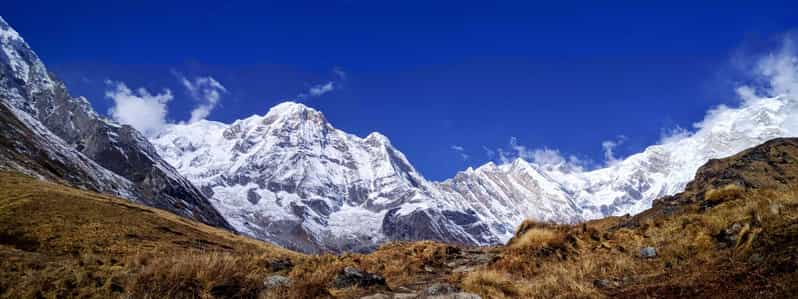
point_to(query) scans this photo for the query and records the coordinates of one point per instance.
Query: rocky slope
(48, 126)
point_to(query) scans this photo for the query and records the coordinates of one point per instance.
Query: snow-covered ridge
(94, 152)
(291, 178)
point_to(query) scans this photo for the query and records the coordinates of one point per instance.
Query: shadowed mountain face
(63, 138)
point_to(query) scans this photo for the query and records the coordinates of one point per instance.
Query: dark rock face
(431, 225)
(353, 277)
(27, 87)
(34, 152)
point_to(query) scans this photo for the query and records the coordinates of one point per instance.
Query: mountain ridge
(478, 206)
(69, 127)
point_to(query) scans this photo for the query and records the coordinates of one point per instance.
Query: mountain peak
(7, 33)
(289, 108)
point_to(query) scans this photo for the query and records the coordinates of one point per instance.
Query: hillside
(732, 233)
(57, 241)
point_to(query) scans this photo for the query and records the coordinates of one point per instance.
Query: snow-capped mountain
(291, 178)
(55, 136)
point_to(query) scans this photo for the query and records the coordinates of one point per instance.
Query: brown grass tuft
(194, 275)
(723, 194)
(493, 284)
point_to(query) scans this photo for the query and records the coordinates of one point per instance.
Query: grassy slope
(59, 241)
(732, 233)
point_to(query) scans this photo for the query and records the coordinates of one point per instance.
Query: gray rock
(604, 284)
(756, 258)
(276, 281)
(440, 288)
(354, 277)
(729, 235)
(280, 265)
(458, 295)
(648, 252)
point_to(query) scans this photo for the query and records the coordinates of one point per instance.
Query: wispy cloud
(772, 87)
(545, 157)
(207, 91)
(138, 108)
(320, 89)
(460, 151)
(609, 149)
(489, 152)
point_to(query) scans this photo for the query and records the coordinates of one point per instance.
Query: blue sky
(430, 76)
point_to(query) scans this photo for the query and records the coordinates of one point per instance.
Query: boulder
(351, 276)
(458, 295)
(440, 288)
(648, 252)
(280, 265)
(276, 281)
(377, 296)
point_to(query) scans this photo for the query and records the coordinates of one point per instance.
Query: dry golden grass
(494, 284)
(602, 259)
(197, 275)
(538, 237)
(718, 195)
(58, 242)
(62, 242)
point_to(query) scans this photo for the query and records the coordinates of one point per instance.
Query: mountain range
(289, 177)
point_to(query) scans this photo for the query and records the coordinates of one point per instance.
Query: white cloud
(489, 152)
(324, 88)
(773, 89)
(461, 151)
(320, 89)
(609, 148)
(205, 90)
(339, 73)
(544, 157)
(138, 108)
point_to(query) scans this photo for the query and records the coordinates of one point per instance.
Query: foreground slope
(56, 241)
(731, 234)
(109, 157)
